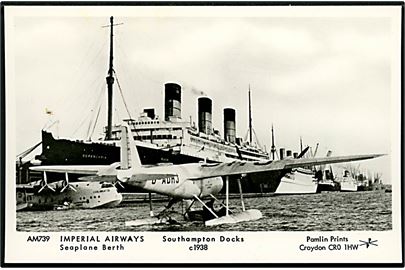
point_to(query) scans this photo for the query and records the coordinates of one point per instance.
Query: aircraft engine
(211, 186)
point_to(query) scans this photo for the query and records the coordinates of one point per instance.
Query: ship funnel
(172, 101)
(229, 125)
(282, 153)
(205, 115)
(150, 113)
(295, 154)
(289, 153)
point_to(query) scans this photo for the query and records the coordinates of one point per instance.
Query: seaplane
(63, 195)
(192, 182)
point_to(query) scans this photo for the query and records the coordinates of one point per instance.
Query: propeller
(45, 185)
(124, 175)
(67, 185)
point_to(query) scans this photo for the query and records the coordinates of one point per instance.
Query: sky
(325, 78)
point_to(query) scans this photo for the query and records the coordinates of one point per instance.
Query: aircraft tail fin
(129, 153)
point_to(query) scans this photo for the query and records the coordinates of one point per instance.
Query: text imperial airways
(96, 238)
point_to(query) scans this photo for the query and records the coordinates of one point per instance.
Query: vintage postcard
(202, 133)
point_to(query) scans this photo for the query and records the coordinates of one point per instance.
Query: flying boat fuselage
(175, 181)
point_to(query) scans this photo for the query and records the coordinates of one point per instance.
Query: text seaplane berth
(193, 182)
(88, 247)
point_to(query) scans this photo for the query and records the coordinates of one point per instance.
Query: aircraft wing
(245, 167)
(107, 173)
(139, 177)
(75, 169)
(294, 163)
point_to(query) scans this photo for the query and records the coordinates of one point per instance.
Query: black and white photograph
(202, 133)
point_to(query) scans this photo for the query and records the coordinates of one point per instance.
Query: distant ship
(81, 195)
(326, 181)
(347, 182)
(299, 181)
(167, 140)
(370, 182)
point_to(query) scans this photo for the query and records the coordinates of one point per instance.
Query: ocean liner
(167, 140)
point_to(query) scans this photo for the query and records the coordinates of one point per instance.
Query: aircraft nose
(217, 185)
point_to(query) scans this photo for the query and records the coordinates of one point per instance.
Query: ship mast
(301, 143)
(250, 119)
(110, 82)
(273, 147)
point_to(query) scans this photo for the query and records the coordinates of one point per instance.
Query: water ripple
(313, 212)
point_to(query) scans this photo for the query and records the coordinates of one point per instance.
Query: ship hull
(327, 187)
(363, 188)
(68, 152)
(348, 186)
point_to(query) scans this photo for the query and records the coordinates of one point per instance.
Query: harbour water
(334, 211)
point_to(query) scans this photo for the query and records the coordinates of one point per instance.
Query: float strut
(204, 205)
(150, 205)
(227, 194)
(241, 195)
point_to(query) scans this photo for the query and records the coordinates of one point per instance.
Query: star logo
(368, 243)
